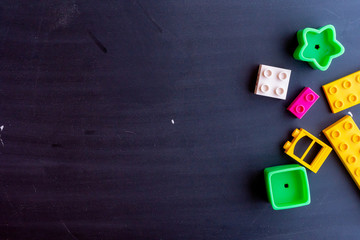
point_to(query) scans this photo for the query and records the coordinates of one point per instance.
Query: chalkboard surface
(137, 119)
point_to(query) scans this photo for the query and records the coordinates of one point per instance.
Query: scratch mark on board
(332, 13)
(257, 217)
(68, 230)
(34, 188)
(130, 132)
(146, 13)
(97, 42)
(1, 141)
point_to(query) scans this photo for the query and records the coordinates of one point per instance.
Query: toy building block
(272, 82)
(320, 156)
(344, 136)
(318, 47)
(344, 92)
(287, 186)
(303, 102)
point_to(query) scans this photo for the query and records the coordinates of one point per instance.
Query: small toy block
(344, 92)
(318, 47)
(272, 82)
(344, 136)
(287, 186)
(320, 156)
(303, 102)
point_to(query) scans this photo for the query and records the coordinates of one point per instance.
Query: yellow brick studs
(320, 156)
(344, 136)
(344, 92)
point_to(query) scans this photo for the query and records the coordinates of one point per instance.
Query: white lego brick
(272, 81)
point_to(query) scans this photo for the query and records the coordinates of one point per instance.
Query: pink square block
(303, 102)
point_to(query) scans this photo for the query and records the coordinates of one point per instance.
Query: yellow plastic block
(344, 92)
(344, 136)
(320, 157)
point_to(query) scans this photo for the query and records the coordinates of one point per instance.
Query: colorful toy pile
(287, 186)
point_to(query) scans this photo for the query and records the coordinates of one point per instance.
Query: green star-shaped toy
(318, 46)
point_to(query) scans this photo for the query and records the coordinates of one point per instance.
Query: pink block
(303, 102)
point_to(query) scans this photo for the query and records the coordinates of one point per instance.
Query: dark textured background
(89, 90)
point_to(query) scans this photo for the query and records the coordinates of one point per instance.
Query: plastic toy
(303, 102)
(272, 82)
(344, 92)
(287, 186)
(320, 156)
(344, 136)
(318, 47)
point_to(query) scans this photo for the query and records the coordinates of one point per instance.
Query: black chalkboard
(137, 119)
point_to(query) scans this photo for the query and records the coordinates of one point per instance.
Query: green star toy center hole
(320, 47)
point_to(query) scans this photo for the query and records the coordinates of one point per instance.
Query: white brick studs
(272, 82)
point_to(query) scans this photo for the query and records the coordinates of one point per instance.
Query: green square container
(287, 186)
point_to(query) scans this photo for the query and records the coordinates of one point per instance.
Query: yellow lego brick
(344, 92)
(320, 157)
(344, 136)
